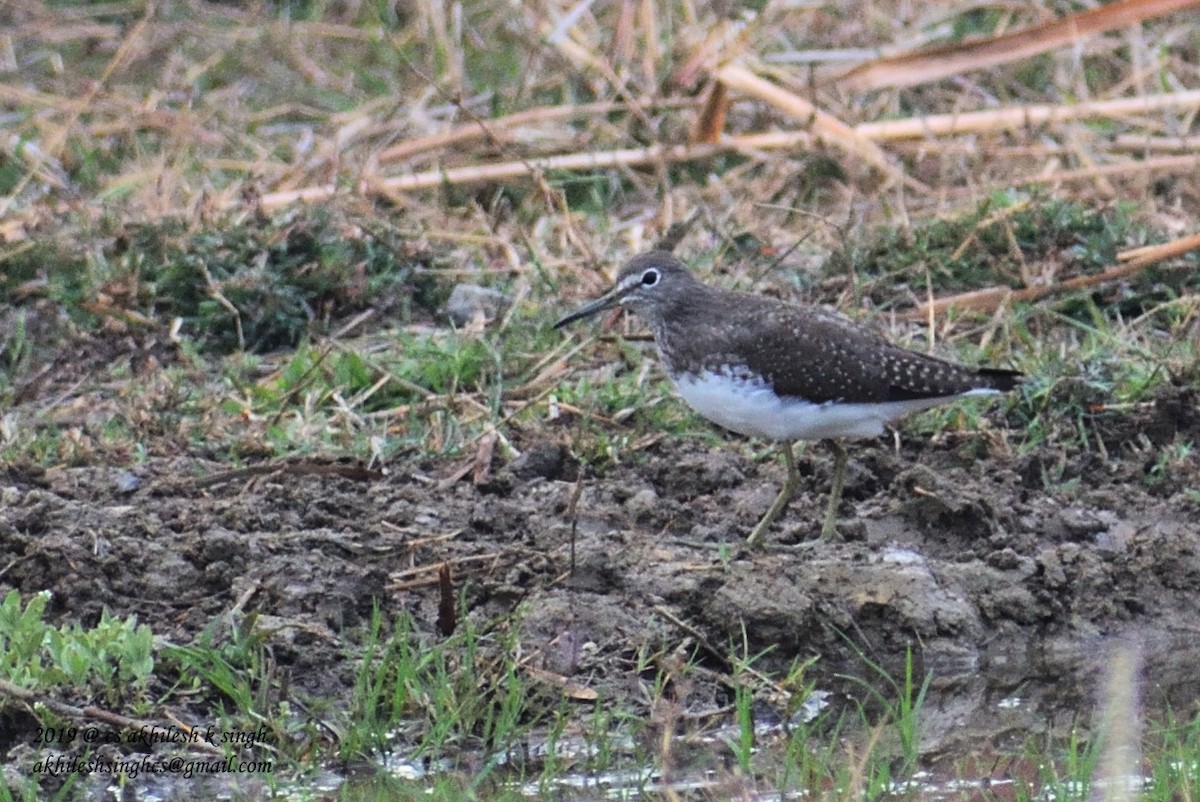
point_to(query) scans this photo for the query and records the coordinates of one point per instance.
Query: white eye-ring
(650, 278)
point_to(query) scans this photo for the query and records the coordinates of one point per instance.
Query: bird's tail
(999, 379)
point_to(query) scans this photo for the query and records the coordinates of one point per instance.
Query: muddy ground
(1007, 573)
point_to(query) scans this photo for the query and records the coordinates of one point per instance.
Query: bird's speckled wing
(819, 356)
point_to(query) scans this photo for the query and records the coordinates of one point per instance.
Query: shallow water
(977, 724)
(975, 731)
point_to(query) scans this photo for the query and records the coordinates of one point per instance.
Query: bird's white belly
(752, 409)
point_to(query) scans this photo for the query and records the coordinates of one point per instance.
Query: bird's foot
(829, 529)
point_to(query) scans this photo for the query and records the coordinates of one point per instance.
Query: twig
(525, 168)
(912, 128)
(573, 513)
(95, 713)
(471, 131)
(826, 126)
(293, 469)
(396, 582)
(941, 62)
(986, 300)
(572, 689)
(708, 647)
(976, 122)
(1165, 163)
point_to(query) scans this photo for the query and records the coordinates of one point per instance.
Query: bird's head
(647, 285)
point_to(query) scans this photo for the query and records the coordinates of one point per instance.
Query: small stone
(470, 303)
(1079, 522)
(1052, 568)
(641, 505)
(1005, 559)
(128, 482)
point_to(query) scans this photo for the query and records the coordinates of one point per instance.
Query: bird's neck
(687, 316)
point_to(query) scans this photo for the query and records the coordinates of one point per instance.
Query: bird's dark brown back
(817, 355)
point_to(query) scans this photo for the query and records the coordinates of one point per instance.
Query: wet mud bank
(1003, 573)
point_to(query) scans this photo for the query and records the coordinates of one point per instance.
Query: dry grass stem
(1025, 117)
(503, 125)
(855, 140)
(987, 300)
(824, 125)
(1168, 164)
(941, 62)
(1135, 142)
(616, 159)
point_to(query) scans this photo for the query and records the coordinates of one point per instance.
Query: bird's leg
(840, 459)
(781, 501)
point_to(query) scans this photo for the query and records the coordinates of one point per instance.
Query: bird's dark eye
(649, 278)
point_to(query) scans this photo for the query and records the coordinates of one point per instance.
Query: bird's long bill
(606, 301)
